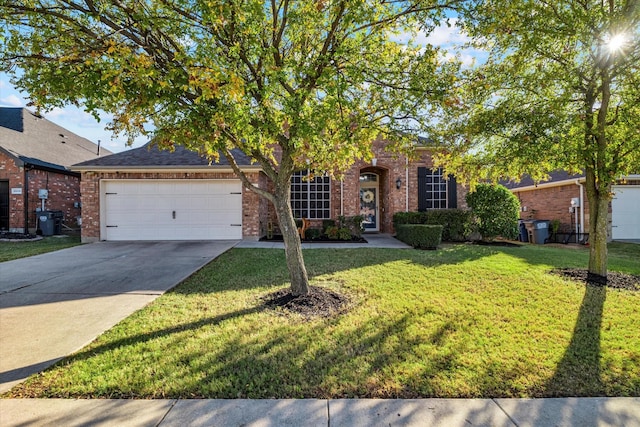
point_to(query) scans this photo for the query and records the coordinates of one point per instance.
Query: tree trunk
(292, 245)
(598, 216)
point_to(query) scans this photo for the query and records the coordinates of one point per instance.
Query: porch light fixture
(374, 162)
(398, 183)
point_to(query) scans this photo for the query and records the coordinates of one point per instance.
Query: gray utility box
(50, 222)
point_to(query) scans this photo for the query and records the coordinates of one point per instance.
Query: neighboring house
(35, 155)
(149, 194)
(564, 198)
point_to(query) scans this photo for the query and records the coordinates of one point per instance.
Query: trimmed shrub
(456, 223)
(353, 223)
(326, 223)
(409, 218)
(313, 233)
(496, 209)
(332, 232)
(420, 236)
(344, 233)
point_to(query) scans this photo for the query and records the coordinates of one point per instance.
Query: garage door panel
(172, 210)
(625, 216)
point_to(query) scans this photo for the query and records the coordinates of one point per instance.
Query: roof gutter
(547, 185)
(581, 180)
(164, 169)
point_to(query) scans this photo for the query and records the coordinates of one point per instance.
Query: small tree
(496, 209)
(295, 85)
(559, 90)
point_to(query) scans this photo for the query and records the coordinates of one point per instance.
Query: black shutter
(422, 190)
(452, 196)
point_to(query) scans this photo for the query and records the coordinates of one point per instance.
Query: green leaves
(239, 70)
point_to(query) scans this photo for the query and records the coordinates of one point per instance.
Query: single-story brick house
(149, 194)
(564, 198)
(35, 155)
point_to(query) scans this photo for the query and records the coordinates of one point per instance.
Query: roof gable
(35, 140)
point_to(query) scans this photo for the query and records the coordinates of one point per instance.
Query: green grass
(14, 250)
(463, 321)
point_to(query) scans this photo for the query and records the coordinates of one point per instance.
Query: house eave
(164, 169)
(564, 182)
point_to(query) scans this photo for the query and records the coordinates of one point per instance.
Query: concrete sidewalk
(583, 412)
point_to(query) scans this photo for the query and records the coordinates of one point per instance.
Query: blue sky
(83, 124)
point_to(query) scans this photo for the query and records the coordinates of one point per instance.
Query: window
(310, 199)
(435, 191)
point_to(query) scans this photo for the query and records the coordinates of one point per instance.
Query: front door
(369, 196)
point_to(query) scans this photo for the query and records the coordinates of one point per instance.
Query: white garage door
(625, 212)
(171, 210)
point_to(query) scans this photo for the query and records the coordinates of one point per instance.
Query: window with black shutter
(435, 191)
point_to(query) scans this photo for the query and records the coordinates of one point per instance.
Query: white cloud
(446, 35)
(11, 101)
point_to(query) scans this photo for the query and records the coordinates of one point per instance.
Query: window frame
(305, 196)
(430, 197)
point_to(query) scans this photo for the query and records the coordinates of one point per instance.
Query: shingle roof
(555, 176)
(150, 155)
(36, 140)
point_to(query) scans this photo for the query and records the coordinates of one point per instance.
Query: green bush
(457, 223)
(420, 236)
(313, 233)
(353, 223)
(496, 209)
(332, 232)
(344, 233)
(326, 223)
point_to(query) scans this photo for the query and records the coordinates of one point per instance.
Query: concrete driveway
(54, 304)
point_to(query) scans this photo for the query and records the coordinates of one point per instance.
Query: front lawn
(21, 249)
(463, 321)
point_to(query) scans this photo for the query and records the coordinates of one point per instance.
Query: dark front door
(4, 205)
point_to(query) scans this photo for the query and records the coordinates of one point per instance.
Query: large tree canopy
(560, 90)
(292, 83)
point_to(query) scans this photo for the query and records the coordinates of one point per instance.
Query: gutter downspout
(25, 202)
(341, 197)
(581, 206)
(406, 184)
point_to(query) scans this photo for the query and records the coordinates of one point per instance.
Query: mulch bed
(614, 280)
(7, 236)
(503, 243)
(319, 302)
(321, 239)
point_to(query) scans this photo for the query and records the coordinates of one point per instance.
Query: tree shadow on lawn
(382, 357)
(579, 368)
(365, 361)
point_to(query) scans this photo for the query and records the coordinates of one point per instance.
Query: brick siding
(64, 192)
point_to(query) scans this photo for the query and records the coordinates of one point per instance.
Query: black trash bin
(523, 237)
(50, 222)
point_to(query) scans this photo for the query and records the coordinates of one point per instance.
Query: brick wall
(64, 194)
(15, 175)
(64, 191)
(552, 203)
(345, 198)
(90, 188)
